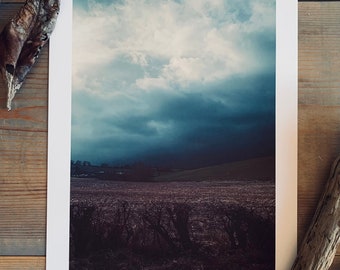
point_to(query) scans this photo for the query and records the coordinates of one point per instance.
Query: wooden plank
(22, 263)
(336, 263)
(23, 160)
(12, 1)
(319, 104)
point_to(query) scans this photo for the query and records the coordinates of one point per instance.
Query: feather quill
(22, 39)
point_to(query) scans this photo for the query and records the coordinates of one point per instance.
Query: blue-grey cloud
(235, 120)
(186, 95)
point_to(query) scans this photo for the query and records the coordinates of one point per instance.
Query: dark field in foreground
(172, 225)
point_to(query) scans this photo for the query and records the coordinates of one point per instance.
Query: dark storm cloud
(178, 83)
(235, 120)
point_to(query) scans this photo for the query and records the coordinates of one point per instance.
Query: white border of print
(59, 130)
(286, 132)
(59, 133)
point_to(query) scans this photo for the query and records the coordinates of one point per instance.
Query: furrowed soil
(172, 225)
(250, 194)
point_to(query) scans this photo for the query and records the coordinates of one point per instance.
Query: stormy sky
(181, 83)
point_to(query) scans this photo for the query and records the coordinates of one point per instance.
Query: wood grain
(319, 104)
(23, 162)
(336, 263)
(319, 246)
(22, 263)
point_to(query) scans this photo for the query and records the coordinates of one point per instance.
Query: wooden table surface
(318, 104)
(23, 136)
(23, 165)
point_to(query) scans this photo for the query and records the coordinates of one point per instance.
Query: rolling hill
(253, 169)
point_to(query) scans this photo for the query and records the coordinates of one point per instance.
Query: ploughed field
(256, 195)
(172, 225)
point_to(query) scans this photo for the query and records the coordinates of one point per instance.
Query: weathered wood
(319, 246)
(12, 1)
(319, 104)
(23, 161)
(336, 263)
(22, 263)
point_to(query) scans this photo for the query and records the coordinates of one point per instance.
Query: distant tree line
(138, 171)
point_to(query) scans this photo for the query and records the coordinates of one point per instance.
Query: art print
(173, 135)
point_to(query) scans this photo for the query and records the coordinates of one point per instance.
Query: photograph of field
(172, 222)
(173, 135)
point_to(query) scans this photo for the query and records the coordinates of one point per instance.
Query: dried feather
(22, 40)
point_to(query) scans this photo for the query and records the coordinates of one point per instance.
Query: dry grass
(136, 225)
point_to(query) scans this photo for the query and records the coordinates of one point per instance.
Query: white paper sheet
(59, 121)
